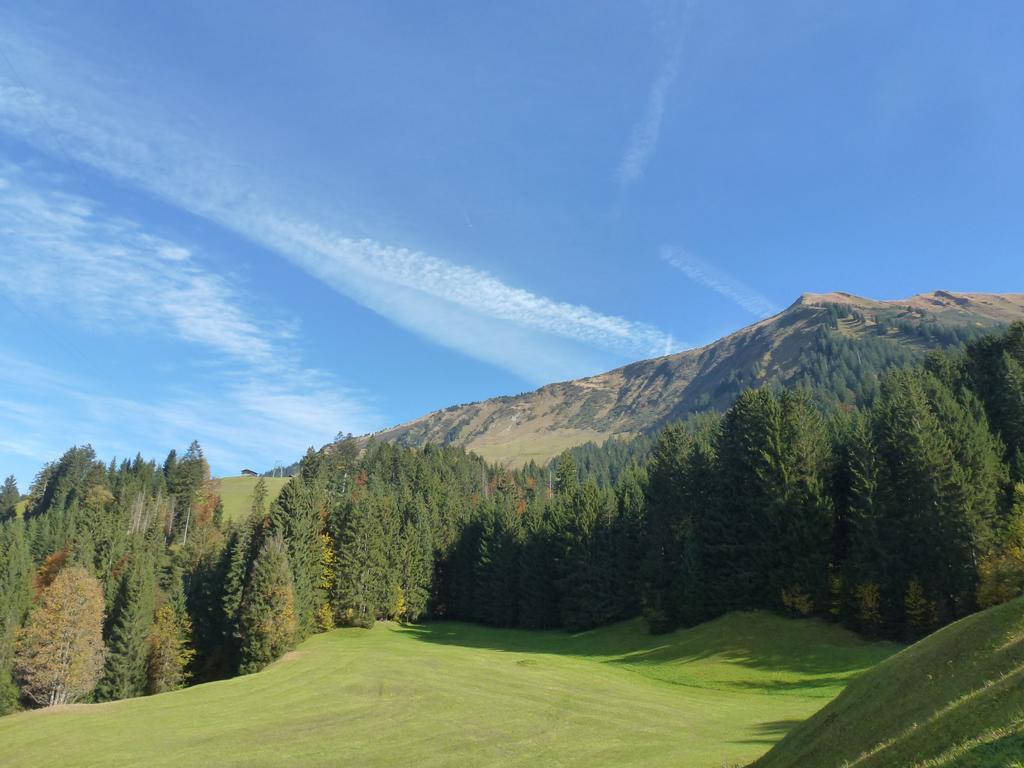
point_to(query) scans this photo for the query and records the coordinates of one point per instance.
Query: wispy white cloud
(256, 401)
(719, 281)
(252, 420)
(60, 251)
(455, 305)
(644, 139)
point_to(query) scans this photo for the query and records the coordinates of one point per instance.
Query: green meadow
(236, 493)
(453, 694)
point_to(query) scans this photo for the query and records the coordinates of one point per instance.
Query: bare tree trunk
(188, 517)
(170, 517)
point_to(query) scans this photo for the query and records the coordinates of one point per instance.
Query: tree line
(893, 516)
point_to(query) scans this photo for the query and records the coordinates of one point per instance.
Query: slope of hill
(830, 341)
(450, 694)
(236, 493)
(954, 699)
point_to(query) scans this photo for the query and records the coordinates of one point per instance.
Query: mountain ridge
(813, 341)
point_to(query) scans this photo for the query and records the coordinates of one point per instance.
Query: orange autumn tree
(60, 651)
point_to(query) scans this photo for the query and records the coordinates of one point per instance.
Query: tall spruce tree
(15, 600)
(361, 589)
(298, 513)
(415, 563)
(498, 566)
(131, 621)
(266, 620)
(626, 538)
(667, 515)
(9, 498)
(925, 527)
(738, 528)
(542, 565)
(242, 545)
(804, 515)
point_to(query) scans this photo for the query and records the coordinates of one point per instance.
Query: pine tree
(258, 506)
(925, 529)
(15, 599)
(362, 587)
(667, 515)
(1001, 571)
(589, 588)
(266, 621)
(498, 566)
(741, 560)
(804, 516)
(566, 481)
(415, 565)
(131, 622)
(626, 533)
(543, 566)
(298, 513)
(9, 498)
(239, 554)
(169, 645)
(867, 558)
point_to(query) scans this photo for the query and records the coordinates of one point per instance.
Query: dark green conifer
(15, 599)
(361, 589)
(130, 622)
(266, 620)
(9, 498)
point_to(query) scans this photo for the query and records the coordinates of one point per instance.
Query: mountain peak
(786, 349)
(835, 297)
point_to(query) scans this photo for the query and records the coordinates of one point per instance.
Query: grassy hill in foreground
(953, 700)
(236, 493)
(450, 694)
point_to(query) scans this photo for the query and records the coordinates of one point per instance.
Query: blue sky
(257, 224)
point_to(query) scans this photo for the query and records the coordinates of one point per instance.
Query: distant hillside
(955, 698)
(836, 343)
(236, 493)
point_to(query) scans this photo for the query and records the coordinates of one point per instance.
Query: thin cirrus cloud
(63, 254)
(242, 427)
(60, 250)
(457, 306)
(644, 139)
(720, 282)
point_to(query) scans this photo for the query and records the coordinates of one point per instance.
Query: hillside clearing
(236, 493)
(451, 694)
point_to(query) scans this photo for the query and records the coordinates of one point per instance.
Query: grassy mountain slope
(236, 493)
(954, 699)
(830, 341)
(450, 694)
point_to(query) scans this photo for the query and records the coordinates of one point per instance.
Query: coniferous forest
(893, 515)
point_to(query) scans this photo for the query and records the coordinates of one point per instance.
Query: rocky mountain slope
(834, 342)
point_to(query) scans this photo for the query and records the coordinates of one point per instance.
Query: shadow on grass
(770, 732)
(819, 654)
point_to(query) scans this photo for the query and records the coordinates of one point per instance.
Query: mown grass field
(450, 694)
(953, 700)
(236, 493)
